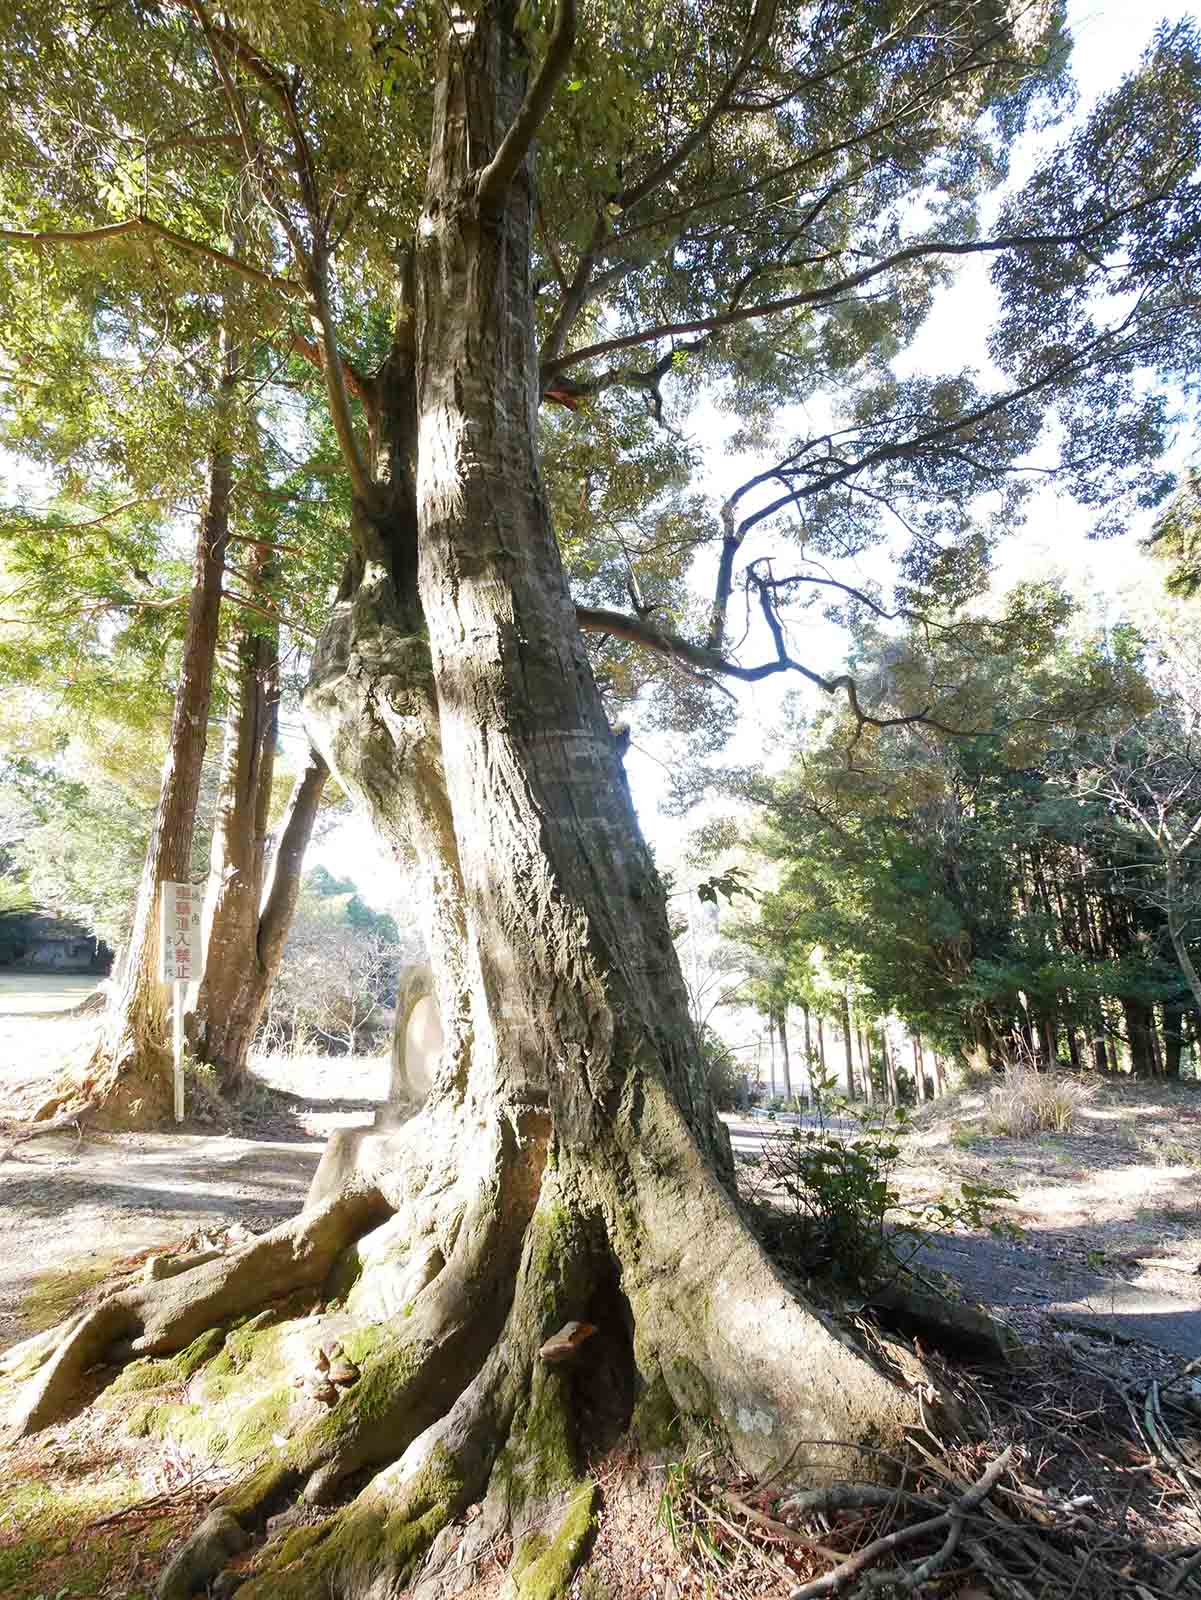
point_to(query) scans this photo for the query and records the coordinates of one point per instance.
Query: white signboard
(180, 932)
(180, 962)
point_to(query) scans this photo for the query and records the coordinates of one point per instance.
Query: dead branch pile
(1076, 1486)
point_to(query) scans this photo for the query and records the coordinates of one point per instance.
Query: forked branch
(701, 659)
(502, 169)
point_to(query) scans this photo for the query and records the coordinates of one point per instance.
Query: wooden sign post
(180, 939)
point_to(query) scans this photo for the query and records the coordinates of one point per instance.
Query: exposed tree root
(507, 1438)
(456, 1407)
(163, 1316)
(456, 1247)
(20, 1132)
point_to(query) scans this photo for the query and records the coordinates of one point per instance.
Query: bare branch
(700, 658)
(502, 169)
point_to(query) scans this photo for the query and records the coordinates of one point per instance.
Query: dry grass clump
(1028, 1101)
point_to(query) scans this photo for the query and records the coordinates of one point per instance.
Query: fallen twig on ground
(952, 1520)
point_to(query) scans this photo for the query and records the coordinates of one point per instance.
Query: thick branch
(700, 658)
(502, 169)
(357, 383)
(284, 887)
(114, 230)
(831, 291)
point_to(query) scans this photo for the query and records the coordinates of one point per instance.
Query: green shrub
(721, 1070)
(827, 1203)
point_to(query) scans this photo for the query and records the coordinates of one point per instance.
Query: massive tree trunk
(567, 1170)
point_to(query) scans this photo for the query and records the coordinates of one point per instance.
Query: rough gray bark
(567, 1166)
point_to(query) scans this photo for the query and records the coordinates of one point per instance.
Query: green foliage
(1176, 539)
(721, 1070)
(728, 884)
(828, 1204)
(701, 218)
(339, 899)
(82, 816)
(977, 884)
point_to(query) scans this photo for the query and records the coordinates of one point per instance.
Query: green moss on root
(543, 1568)
(361, 1344)
(241, 1394)
(152, 1373)
(55, 1296)
(301, 1540)
(367, 1537)
(656, 1424)
(539, 1458)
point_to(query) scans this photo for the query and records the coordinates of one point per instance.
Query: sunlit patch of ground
(86, 1512)
(1126, 1177)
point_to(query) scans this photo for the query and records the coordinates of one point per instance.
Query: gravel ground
(1109, 1213)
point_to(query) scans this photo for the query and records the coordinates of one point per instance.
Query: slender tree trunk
(846, 1040)
(1073, 1046)
(865, 1064)
(889, 1067)
(1139, 1026)
(1097, 1041)
(1049, 1033)
(1176, 927)
(231, 991)
(785, 1063)
(283, 879)
(1110, 1045)
(919, 1070)
(129, 1077)
(821, 1044)
(1173, 1036)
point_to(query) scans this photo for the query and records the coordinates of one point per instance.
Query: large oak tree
(755, 198)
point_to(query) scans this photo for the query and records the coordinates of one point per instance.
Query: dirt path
(1110, 1214)
(72, 1210)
